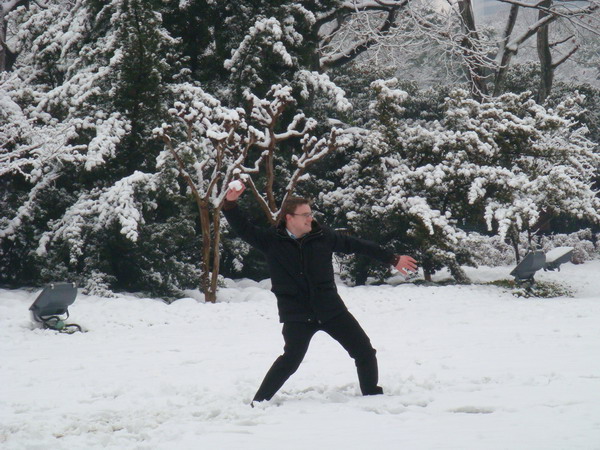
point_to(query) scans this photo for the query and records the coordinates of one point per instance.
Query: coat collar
(316, 230)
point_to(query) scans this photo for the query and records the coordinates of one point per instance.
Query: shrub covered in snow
(495, 251)
(586, 246)
(496, 166)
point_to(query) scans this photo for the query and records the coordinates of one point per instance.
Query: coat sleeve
(255, 236)
(343, 243)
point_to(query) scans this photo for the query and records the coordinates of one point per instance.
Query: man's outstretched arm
(349, 244)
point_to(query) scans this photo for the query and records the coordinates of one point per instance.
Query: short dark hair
(290, 206)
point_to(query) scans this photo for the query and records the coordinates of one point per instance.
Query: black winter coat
(301, 269)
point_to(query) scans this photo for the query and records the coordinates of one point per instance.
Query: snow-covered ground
(463, 367)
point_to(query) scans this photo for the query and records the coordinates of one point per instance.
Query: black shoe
(377, 391)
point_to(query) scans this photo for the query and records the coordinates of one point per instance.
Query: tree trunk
(210, 293)
(3, 47)
(458, 273)
(427, 274)
(505, 52)
(216, 261)
(270, 172)
(514, 240)
(543, 49)
(475, 71)
(7, 58)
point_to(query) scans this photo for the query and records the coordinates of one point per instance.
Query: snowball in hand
(236, 185)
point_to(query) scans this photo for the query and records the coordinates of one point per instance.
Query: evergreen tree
(498, 165)
(96, 79)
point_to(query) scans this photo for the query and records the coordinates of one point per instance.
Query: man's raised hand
(406, 264)
(236, 188)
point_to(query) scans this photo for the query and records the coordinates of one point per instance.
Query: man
(299, 257)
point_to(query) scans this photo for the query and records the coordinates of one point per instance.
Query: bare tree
(349, 31)
(268, 114)
(482, 70)
(450, 28)
(576, 16)
(210, 146)
(214, 142)
(414, 27)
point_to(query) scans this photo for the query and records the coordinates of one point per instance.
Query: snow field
(463, 367)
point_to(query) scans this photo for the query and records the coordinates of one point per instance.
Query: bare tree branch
(554, 44)
(340, 19)
(505, 56)
(565, 57)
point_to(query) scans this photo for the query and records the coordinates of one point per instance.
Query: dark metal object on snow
(52, 304)
(525, 270)
(536, 260)
(558, 256)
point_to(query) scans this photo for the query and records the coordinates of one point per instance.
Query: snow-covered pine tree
(89, 83)
(49, 136)
(261, 43)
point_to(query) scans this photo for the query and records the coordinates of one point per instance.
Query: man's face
(300, 222)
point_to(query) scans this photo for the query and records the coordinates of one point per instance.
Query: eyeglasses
(305, 215)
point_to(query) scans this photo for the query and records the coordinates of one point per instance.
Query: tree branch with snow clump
(321, 83)
(99, 209)
(267, 36)
(40, 151)
(267, 114)
(205, 146)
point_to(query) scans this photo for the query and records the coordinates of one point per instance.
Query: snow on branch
(267, 114)
(26, 210)
(321, 83)
(39, 149)
(208, 144)
(98, 209)
(374, 5)
(386, 94)
(109, 133)
(265, 31)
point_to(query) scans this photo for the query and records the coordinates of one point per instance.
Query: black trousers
(297, 335)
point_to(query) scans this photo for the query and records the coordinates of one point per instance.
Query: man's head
(297, 215)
